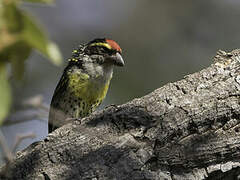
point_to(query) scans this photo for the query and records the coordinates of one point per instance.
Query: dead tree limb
(184, 130)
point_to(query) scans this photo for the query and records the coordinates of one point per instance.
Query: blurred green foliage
(19, 35)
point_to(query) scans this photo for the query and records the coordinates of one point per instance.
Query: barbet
(85, 81)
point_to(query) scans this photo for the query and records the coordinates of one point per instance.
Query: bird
(84, 82)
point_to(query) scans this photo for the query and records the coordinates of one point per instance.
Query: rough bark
(184, 130)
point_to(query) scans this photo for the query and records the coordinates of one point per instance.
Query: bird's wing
(70, 80)
(55, 113)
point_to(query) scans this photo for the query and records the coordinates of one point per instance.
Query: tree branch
(184, 130)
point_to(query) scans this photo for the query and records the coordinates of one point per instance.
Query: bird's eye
(100, 60)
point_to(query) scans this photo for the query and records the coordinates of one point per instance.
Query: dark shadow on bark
(22, 167)
(123, 118)
(234, 174)
(108, 162)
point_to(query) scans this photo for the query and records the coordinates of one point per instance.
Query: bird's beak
(117, 59)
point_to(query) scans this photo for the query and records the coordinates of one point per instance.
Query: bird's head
(102, 52)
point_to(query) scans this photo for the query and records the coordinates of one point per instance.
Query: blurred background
(162, 41)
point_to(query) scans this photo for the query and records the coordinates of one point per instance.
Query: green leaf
(16, 54)
(54, 53)
(20, 52)
(12, 18)
(19, 26)
(33, 35)
(40, 1)
(5, 94)
(10, 24)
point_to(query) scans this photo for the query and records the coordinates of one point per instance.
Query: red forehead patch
(114, 45)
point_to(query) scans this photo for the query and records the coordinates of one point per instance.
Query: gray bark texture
(188, 129)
